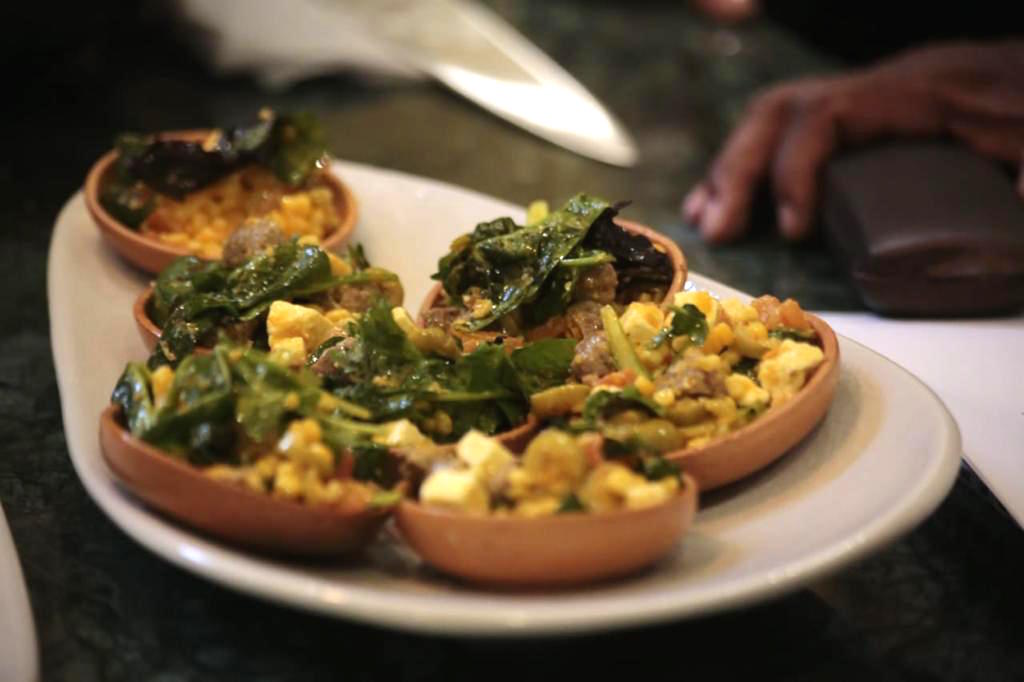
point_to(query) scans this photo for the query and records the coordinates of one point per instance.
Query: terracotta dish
(436, 293)
(550, 551)
(229, 512)
(758, 444)
(148, 331)
(153, 256)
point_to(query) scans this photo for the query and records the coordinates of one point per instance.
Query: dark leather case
(926, 228)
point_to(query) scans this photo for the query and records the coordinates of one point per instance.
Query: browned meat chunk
(442, 317)
(593, 359)
(326, 365)
(686, 380)
(249, 239)
(597, 283)
(583, 319)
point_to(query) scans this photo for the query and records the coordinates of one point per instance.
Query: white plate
(882, 460)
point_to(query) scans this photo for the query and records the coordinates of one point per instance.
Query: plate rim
(262, 577)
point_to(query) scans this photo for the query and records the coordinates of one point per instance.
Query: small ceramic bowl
(149, 332)
(230, 512)
(561, 550)
(436, 293)
(152, 255)
(759, 443)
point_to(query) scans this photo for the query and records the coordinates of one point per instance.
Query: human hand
(974, 93)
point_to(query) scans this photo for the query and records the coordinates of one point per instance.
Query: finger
(694, 203)
(809, 139)
(740, 166)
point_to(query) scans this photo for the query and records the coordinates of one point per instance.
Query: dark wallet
(926, 228)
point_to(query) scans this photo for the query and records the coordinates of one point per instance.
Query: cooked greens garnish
(655, 468)
(602, 404)
(376, 366)
(132, 393)
(688, 322)
(193, 298)
(509, 263)
(792, 334)
(229, 405)
(290, 145)
(746, 366)
(539, 264)
(570, 503)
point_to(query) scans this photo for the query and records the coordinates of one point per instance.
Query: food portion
(394, 369)
(248, 421)
(558, 473)
(194, 193)
(281, 294)
(656, 380)
(546, 278)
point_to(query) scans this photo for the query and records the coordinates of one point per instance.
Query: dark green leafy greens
(376, 366)
(688, 322)
(792, 334)
(601, 404)
(194, 300)
(232, 404)
(509, 263)
(540, 264)
(292, 146)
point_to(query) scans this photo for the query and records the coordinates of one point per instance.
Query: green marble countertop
(943, 603)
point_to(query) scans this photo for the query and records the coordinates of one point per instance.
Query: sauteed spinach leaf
(509, 263)
(376, 366)
(292, 146)
(231, 404)
(540, 264)
(193, 298)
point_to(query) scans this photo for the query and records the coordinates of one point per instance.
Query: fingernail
(789, 221)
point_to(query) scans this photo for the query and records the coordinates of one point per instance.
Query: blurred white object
(19, 657)
(282, 42)
(458, 42)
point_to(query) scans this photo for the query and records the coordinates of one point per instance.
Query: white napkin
(280, 42)
(977, 369)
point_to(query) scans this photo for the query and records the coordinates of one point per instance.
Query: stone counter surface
(943, 603)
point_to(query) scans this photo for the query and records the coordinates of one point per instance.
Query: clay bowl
(228, 512)
(148, 331)
(560, 550)
(759, 443)
(436, 293)
(153, 256)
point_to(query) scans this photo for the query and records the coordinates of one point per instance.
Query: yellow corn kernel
(651, 493)
(718, 338)
(535, 507)
(738, 311)
(664, 397)
(161, 380)
(641, 322)
(296, 204)
(482, 308)
(644, 385)
(710, 363)
(537, 211)
(339, 268)
(288, 481)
